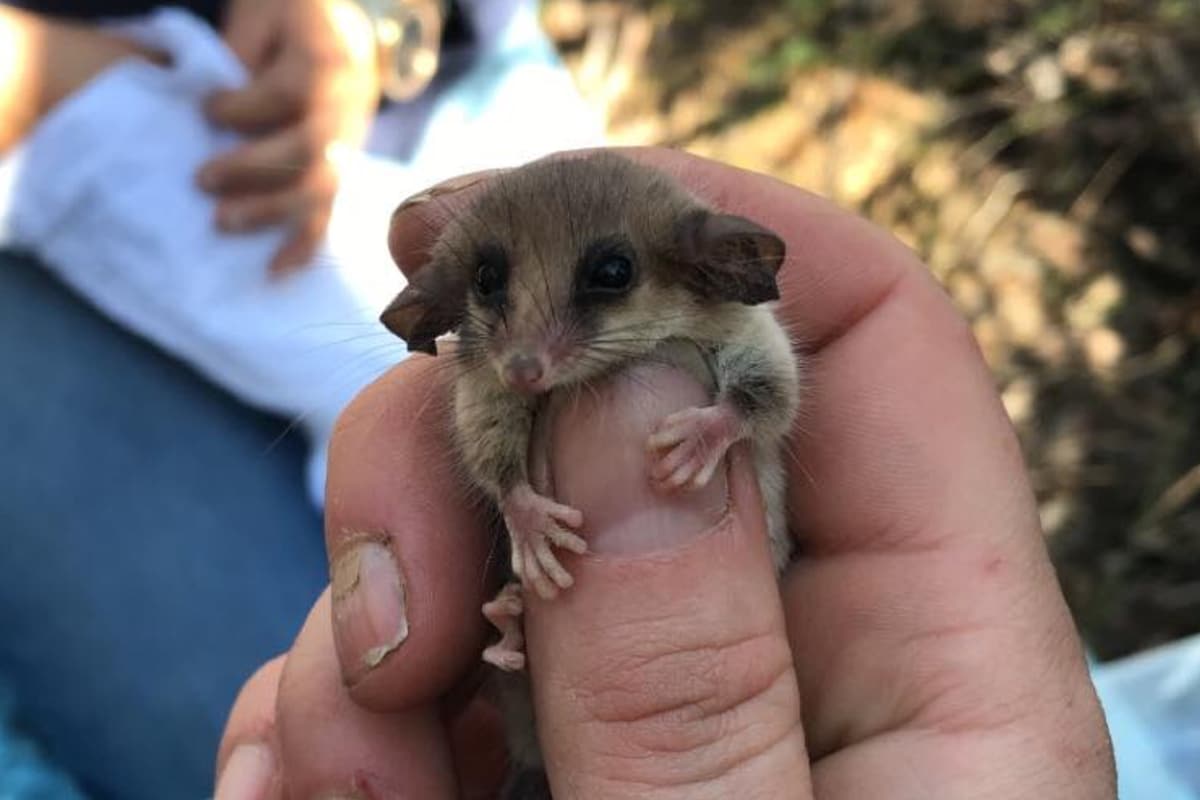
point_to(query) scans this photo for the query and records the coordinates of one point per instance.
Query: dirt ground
(1044, 159)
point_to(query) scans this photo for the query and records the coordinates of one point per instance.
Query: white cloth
(1152, 703)
(104, 193)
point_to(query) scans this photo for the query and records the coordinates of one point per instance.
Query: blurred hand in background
(45, 60)
(314, 86)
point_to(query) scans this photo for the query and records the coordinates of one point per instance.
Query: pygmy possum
(561, 273)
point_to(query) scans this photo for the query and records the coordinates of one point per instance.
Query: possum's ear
(431, 304)
(725, 257)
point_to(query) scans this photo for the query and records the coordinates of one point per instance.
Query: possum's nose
(524, 373)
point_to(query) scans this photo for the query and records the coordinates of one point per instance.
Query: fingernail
(611, 426)
(370, 618)
(248, 773)
(446, 187)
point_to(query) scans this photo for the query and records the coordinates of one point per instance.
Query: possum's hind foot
(505, 613)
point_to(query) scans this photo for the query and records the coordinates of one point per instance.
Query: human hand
(919, 648)
(51, 60)
(314, 85)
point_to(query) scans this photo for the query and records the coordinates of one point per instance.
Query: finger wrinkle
(704, 723)
(713, 754)
(866, 307)
(954, 687)
(950, 692)
(914, 650)
(896, 538)
(689, 682)
(712, 773)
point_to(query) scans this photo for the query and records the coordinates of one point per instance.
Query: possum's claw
(505, 613)
(689, 445)
(536, 522)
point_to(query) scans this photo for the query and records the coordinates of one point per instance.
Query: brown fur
(700, 280)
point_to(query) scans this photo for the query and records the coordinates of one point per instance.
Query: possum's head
(566, 268)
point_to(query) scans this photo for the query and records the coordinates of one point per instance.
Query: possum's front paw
(536, 522)
(689, 445)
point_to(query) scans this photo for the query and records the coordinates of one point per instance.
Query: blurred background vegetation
(1043, 157)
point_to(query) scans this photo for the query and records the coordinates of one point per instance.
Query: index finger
(273, 98)
(407, 551)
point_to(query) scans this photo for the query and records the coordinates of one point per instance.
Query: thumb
(665, 671)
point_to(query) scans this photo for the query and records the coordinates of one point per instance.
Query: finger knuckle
(299, 82)
(672, 708)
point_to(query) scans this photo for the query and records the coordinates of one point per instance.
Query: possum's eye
(491, 276)
(612, 273)
(606, 271)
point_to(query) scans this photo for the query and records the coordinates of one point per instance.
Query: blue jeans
(156, 543)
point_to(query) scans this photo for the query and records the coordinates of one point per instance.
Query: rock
(1104, 78)
(1104, 348)
(943, 256)
(1019, 308)
(874, 161)
(1144, 242)
(1090, 309)
(642, 129)
(1006, 59)
(1065, 451)
(881, 126)
(1114, 59)
(968, 293)
(1075, 54)
(1003, 263)
(856, 131)
(1045, 79)
(1051, 348)
(690, 111)
(1059, 242)
(1018, 398)
(991, 342)
(937, 172)
(837, 132)
(955, 209)
(1055, 513)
